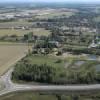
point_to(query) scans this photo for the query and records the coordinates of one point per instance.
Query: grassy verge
(39, 96)
(2, 86)
(28, 96)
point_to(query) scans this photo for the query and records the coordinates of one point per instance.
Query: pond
(79, 63)
(98, 67)
(92, 57)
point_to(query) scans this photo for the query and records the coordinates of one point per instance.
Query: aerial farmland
(9, 54)
(49, 51)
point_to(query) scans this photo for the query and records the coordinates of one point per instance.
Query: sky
(49, 0)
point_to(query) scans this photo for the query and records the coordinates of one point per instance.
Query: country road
(13, 87)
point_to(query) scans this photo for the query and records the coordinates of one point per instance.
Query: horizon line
(50, 2)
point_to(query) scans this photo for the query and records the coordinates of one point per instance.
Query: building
(96, 42)
(54, 43)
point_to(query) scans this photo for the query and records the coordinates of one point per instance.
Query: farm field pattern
(9, 54)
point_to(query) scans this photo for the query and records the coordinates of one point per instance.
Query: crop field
(97, 19)
(9, 54)
(55, 14)
(14, 24)
(19, 32)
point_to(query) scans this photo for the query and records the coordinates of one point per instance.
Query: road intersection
(14, 87)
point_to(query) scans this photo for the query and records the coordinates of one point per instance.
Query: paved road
(12, 87)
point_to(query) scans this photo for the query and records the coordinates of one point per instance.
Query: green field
(2, 86)
(15, 23)
(19, 32)
(37, 96)
(73, 70)
(55, 14)
(49, 60)
(97, 19)
(28, 96)
(55, 61)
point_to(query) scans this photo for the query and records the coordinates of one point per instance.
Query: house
(54, 43)
(95, 43)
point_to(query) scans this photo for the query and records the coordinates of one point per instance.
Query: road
(13, 87)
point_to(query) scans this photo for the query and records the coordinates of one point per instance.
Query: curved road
(12, 87)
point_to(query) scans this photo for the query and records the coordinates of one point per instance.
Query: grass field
(97, 19)
(36, 31)
(65, 61)
(28, 96)
(37, 96)
(15, 23)
(9, 54)
(55, 14)
(11, 43)
(2, 86)
(49, 60)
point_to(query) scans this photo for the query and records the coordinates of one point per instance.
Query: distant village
(96, 41)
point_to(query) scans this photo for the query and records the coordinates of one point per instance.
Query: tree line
(24, 71)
